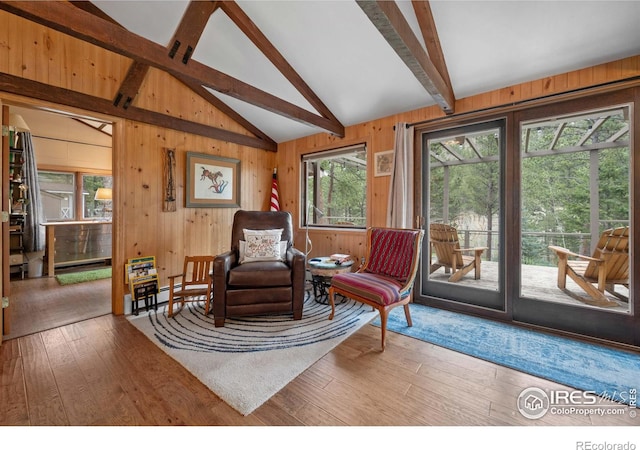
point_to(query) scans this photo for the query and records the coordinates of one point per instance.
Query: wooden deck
(538, 282)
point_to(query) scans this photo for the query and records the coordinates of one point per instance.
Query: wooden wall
(147, 230)
(35, 52)
(141, 227)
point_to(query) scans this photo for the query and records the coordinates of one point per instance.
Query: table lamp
(105, 195)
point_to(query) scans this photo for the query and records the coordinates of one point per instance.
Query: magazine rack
(142, 276)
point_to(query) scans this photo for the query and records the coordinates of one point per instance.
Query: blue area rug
(608, 372)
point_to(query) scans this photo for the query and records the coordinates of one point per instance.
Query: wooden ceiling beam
(130, 86)
(249, 28)
(226, 109)
(429, 32)
(189, 30)
(64, 17)
(388, 19)
(191, 26)
(34, 89)
(187, 35)
(99, 129)
(89, 7)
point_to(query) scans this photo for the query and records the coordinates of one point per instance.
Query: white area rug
(250, 359)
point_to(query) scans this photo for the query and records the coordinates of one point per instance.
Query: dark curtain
(33, 233)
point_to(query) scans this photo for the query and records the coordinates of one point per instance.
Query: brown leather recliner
(261, 287)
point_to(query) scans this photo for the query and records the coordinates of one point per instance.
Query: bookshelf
(18, 203)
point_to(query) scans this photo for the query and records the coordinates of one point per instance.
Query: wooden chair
(608, 266)
(444, 242)
(385, 279)
(196, 283)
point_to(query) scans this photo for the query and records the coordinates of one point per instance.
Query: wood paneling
(47, 56)
(141, 228)
(187, 231)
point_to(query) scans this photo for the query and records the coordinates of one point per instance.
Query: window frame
(82, 203)
(78, 189)
(308, 208)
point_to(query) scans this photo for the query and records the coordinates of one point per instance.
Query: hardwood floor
(103, 371)
(39, 304)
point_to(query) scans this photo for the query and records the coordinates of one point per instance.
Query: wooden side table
(322, 270)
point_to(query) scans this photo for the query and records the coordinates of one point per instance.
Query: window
(71, 195)
(92, 207)
(57, 190)
(334, 190)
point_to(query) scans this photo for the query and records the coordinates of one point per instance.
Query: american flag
(275, 200)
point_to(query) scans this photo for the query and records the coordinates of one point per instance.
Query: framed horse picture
(212, 181)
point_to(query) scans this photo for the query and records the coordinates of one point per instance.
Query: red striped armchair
(385, 279)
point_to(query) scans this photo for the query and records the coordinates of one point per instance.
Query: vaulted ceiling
(288, 69)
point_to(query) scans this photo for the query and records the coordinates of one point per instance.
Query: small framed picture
(383, 163)
(212, 181)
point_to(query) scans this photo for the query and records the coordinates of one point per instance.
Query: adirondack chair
(608, 266)
(444, 242)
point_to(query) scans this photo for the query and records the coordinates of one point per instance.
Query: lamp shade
(17, 122)
(103, 194)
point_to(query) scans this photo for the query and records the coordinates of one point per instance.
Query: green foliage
(341, 189)
(557, 160)
(344, 191)
(614, 186)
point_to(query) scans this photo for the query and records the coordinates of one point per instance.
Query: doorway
(73, 144)
(463, 196)
(576, 161)
(565, 180)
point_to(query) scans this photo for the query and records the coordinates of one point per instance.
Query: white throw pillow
(243, 257)
(261, 245)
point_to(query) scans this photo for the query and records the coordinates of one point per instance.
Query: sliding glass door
(576, 227)
(531, 218)
(462, 196)
(575, 193)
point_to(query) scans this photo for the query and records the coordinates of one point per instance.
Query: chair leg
(171, 290)
(332, 293)
(562, 271)
(383, 325)
(459, 273)
(407, 315)
(477, 263)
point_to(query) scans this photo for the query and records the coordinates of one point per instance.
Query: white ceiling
(344, 59)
